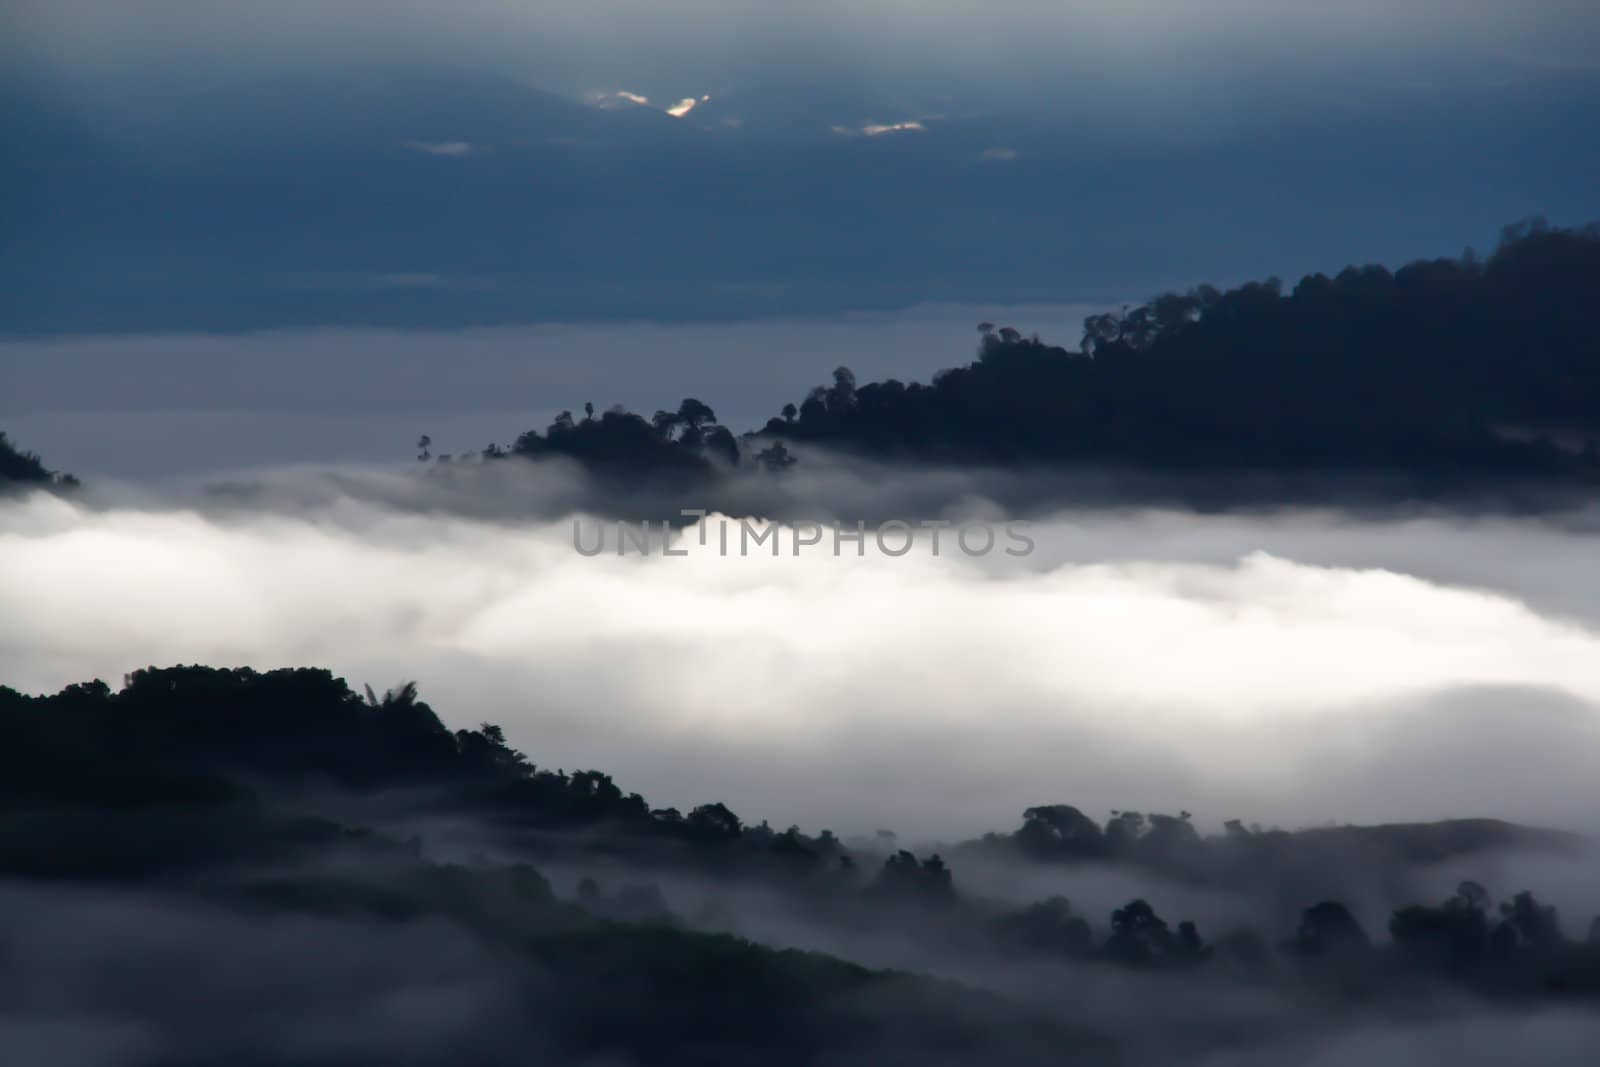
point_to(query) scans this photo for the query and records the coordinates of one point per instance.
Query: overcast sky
(244, 165)
(689, 47)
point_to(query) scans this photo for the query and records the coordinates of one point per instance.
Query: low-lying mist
(1287, 668)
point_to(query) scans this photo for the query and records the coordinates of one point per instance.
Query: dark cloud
(1154, 146)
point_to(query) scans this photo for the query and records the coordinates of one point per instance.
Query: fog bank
(1281, 670)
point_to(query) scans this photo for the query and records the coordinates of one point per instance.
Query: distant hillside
(1448, 376)
(1434, 842)
(21, 468)
(1457, 369)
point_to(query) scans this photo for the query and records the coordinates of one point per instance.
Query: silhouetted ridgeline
(1455, 371)
(1436, 367)
(287, 794)
(672, 445)
(21, 468)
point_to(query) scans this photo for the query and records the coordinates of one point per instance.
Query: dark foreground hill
(248, 838)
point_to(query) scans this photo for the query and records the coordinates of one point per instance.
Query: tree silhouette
(775, 458)
(1418, 371)
(21, 468)
(1328, 928)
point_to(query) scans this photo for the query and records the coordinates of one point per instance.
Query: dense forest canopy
(188, 770)
(1435, 366)
(671, 444)
(23, 468)
(1460, 370)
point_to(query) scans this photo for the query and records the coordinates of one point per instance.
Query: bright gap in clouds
(623, 98)
(440, 148)
(878, 129)
(686, 105)
(935, 695)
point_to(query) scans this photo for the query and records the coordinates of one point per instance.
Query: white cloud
(1000, 153)
(877, 129)
(453, 149)
(686, 105)
(1171, 62)
(619, 99)
(623, 99)
(924, 693)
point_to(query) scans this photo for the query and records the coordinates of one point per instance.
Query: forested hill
(244, 788)
(1443, 365)
(23, 468)
(1459, 373)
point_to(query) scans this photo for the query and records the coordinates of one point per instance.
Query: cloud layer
(671, 50)
(1139, 661)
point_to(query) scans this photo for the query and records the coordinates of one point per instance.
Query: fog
(1559, 1038)
(1286, 668)
(1291, 667)
(287, 989)
(297, 989)
(145, 407)
(107, 976)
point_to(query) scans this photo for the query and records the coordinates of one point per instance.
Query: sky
(660, 49)
(144, 407)
(205, 166)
